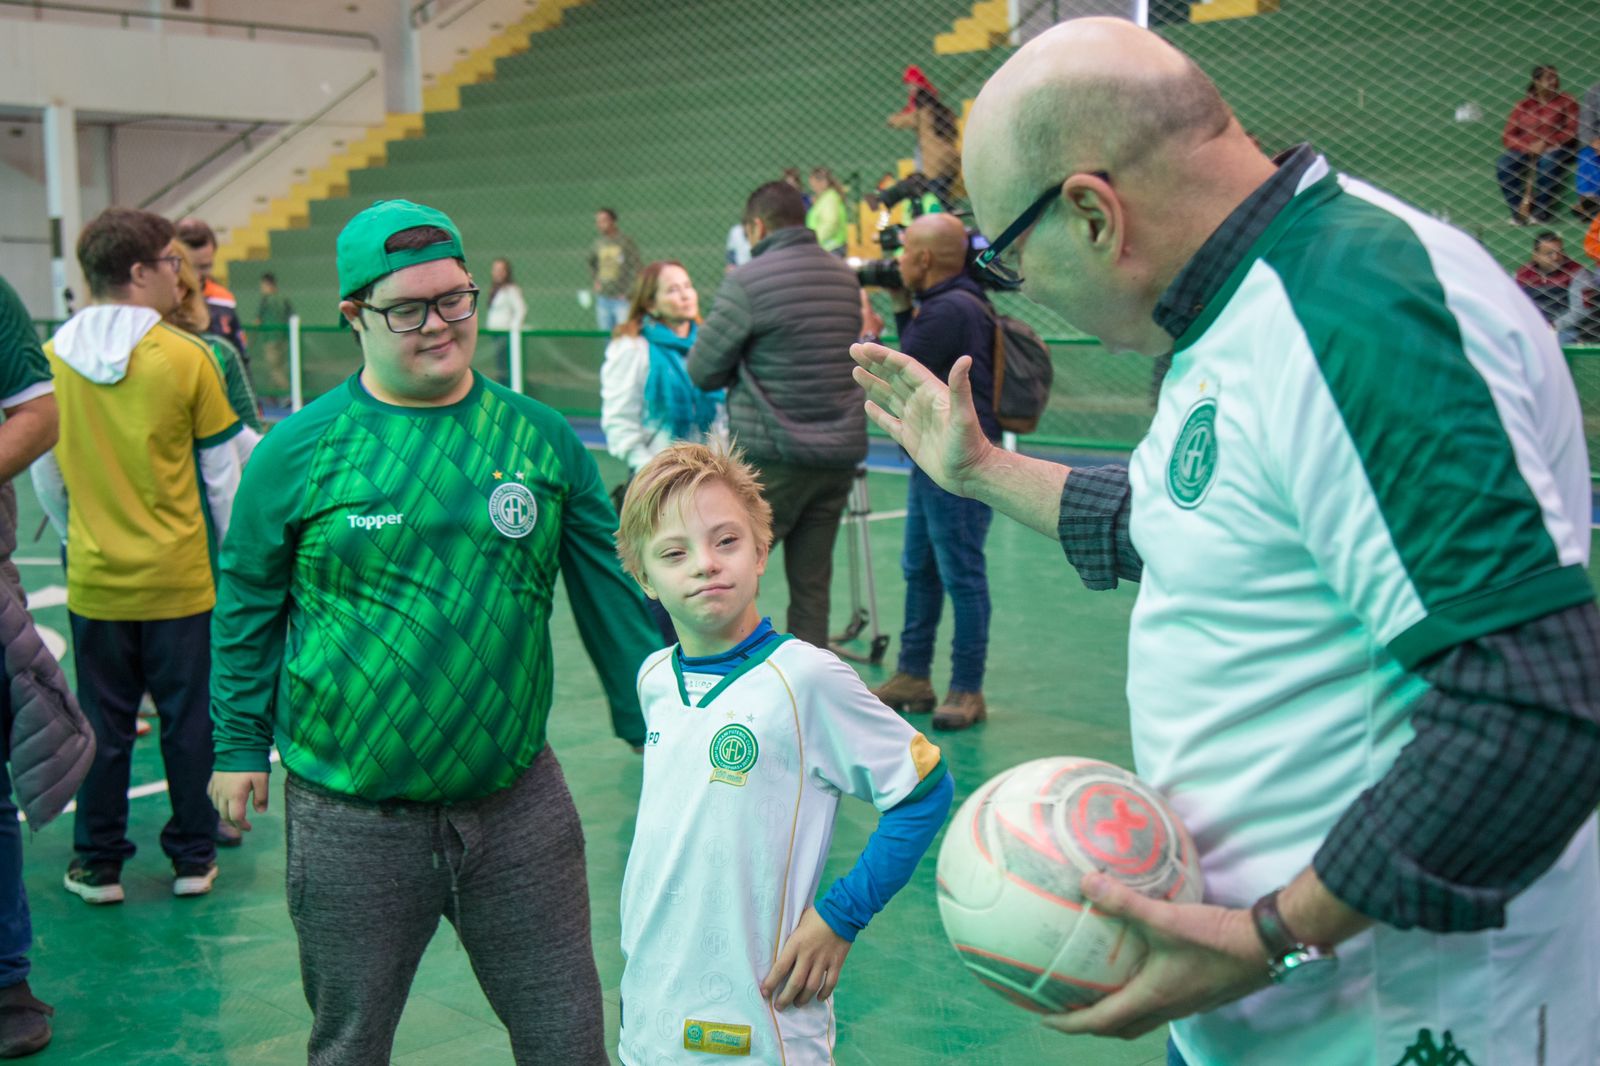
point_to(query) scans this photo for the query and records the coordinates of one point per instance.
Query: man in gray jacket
(778, 339)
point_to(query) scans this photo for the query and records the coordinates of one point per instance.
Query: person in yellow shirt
(148, 476)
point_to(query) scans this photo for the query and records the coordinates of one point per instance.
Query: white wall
(167, 74)
(24, 214)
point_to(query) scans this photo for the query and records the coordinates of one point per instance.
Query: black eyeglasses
(175, 260)
(986, 261)
(408, 316)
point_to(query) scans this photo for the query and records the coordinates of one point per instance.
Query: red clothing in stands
(1555, 122)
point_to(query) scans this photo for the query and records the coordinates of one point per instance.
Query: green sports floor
(215, 980)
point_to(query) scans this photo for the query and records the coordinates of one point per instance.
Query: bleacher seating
(672, 114)
(669, 116)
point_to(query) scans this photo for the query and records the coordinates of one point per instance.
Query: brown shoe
(24, 1022)
(912, 695)
(960, 710)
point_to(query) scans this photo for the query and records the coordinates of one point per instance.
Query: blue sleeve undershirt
(886, 864)
(903, 835)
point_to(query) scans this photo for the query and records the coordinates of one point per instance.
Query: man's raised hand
(935, 423)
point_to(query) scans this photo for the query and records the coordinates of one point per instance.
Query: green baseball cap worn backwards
(359, 249)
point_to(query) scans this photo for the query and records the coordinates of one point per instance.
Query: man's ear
(1094, 205)
(351, 313)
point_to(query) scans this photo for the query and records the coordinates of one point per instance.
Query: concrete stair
(292, 209)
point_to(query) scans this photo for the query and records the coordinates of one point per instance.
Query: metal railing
(249, 26)
(241, 138)
(423, 13)
(282, 139)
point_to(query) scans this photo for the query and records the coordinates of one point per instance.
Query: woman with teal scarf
(646, 398)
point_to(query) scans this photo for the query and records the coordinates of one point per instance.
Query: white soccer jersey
(741, 783)
(1368, 450)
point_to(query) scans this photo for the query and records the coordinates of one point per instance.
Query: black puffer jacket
(51, 742)
(778, 339)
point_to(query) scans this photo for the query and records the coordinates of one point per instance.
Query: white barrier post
(296, 400)
(514, 357)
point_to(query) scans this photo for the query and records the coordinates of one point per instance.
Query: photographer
(944, 533)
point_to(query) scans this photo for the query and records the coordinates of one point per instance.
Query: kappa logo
(1427, 1052)
(733, 754)
(512, 508)
(1193, 464)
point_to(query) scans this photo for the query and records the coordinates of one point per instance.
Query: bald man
(945, 533)
(1364, 663)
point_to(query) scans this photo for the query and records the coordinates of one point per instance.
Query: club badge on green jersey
(733, 754)
(1193, 465)
(512, 508)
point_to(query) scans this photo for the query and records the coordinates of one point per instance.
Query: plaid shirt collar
(1202, 276)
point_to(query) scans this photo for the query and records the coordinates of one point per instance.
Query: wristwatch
(1289, 959)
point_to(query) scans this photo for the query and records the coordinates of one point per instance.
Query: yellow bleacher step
(987, 26)
(1218, 10)
(993, 15)
(442, 98)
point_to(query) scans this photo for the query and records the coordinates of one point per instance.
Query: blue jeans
(16, 927)
(1512, 173)
(944, 553)
(610, 311)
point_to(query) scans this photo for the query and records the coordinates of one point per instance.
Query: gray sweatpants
(368, 885)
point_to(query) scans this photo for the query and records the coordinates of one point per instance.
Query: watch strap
(1271, 928)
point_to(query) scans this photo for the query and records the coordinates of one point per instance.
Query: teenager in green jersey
(383, 618)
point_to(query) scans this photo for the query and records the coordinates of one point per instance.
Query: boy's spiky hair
(681, 469)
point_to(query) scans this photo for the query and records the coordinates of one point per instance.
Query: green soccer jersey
(24, 371)
(385, 594)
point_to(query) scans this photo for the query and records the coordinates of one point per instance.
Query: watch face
(1306, 967)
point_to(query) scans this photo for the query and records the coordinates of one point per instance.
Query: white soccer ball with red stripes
(1009, 870)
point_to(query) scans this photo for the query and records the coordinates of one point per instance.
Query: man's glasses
(408, 316)
(988, 260)
(176, 261)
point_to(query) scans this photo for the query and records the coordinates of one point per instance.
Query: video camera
(885, 273)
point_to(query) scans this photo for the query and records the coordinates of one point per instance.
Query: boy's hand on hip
(810, 959)
(234, 793)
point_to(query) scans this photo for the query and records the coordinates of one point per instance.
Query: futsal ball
(1010, 866)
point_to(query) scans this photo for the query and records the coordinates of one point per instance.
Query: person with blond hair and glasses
(194, 315)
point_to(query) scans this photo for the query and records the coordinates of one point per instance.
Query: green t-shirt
(385, 595)
(274, 310)
(22, 361)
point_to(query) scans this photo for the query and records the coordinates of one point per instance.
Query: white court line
(49, 596)
(140, 791)
(29, 560)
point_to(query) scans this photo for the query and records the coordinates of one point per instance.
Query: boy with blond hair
(751, 737)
